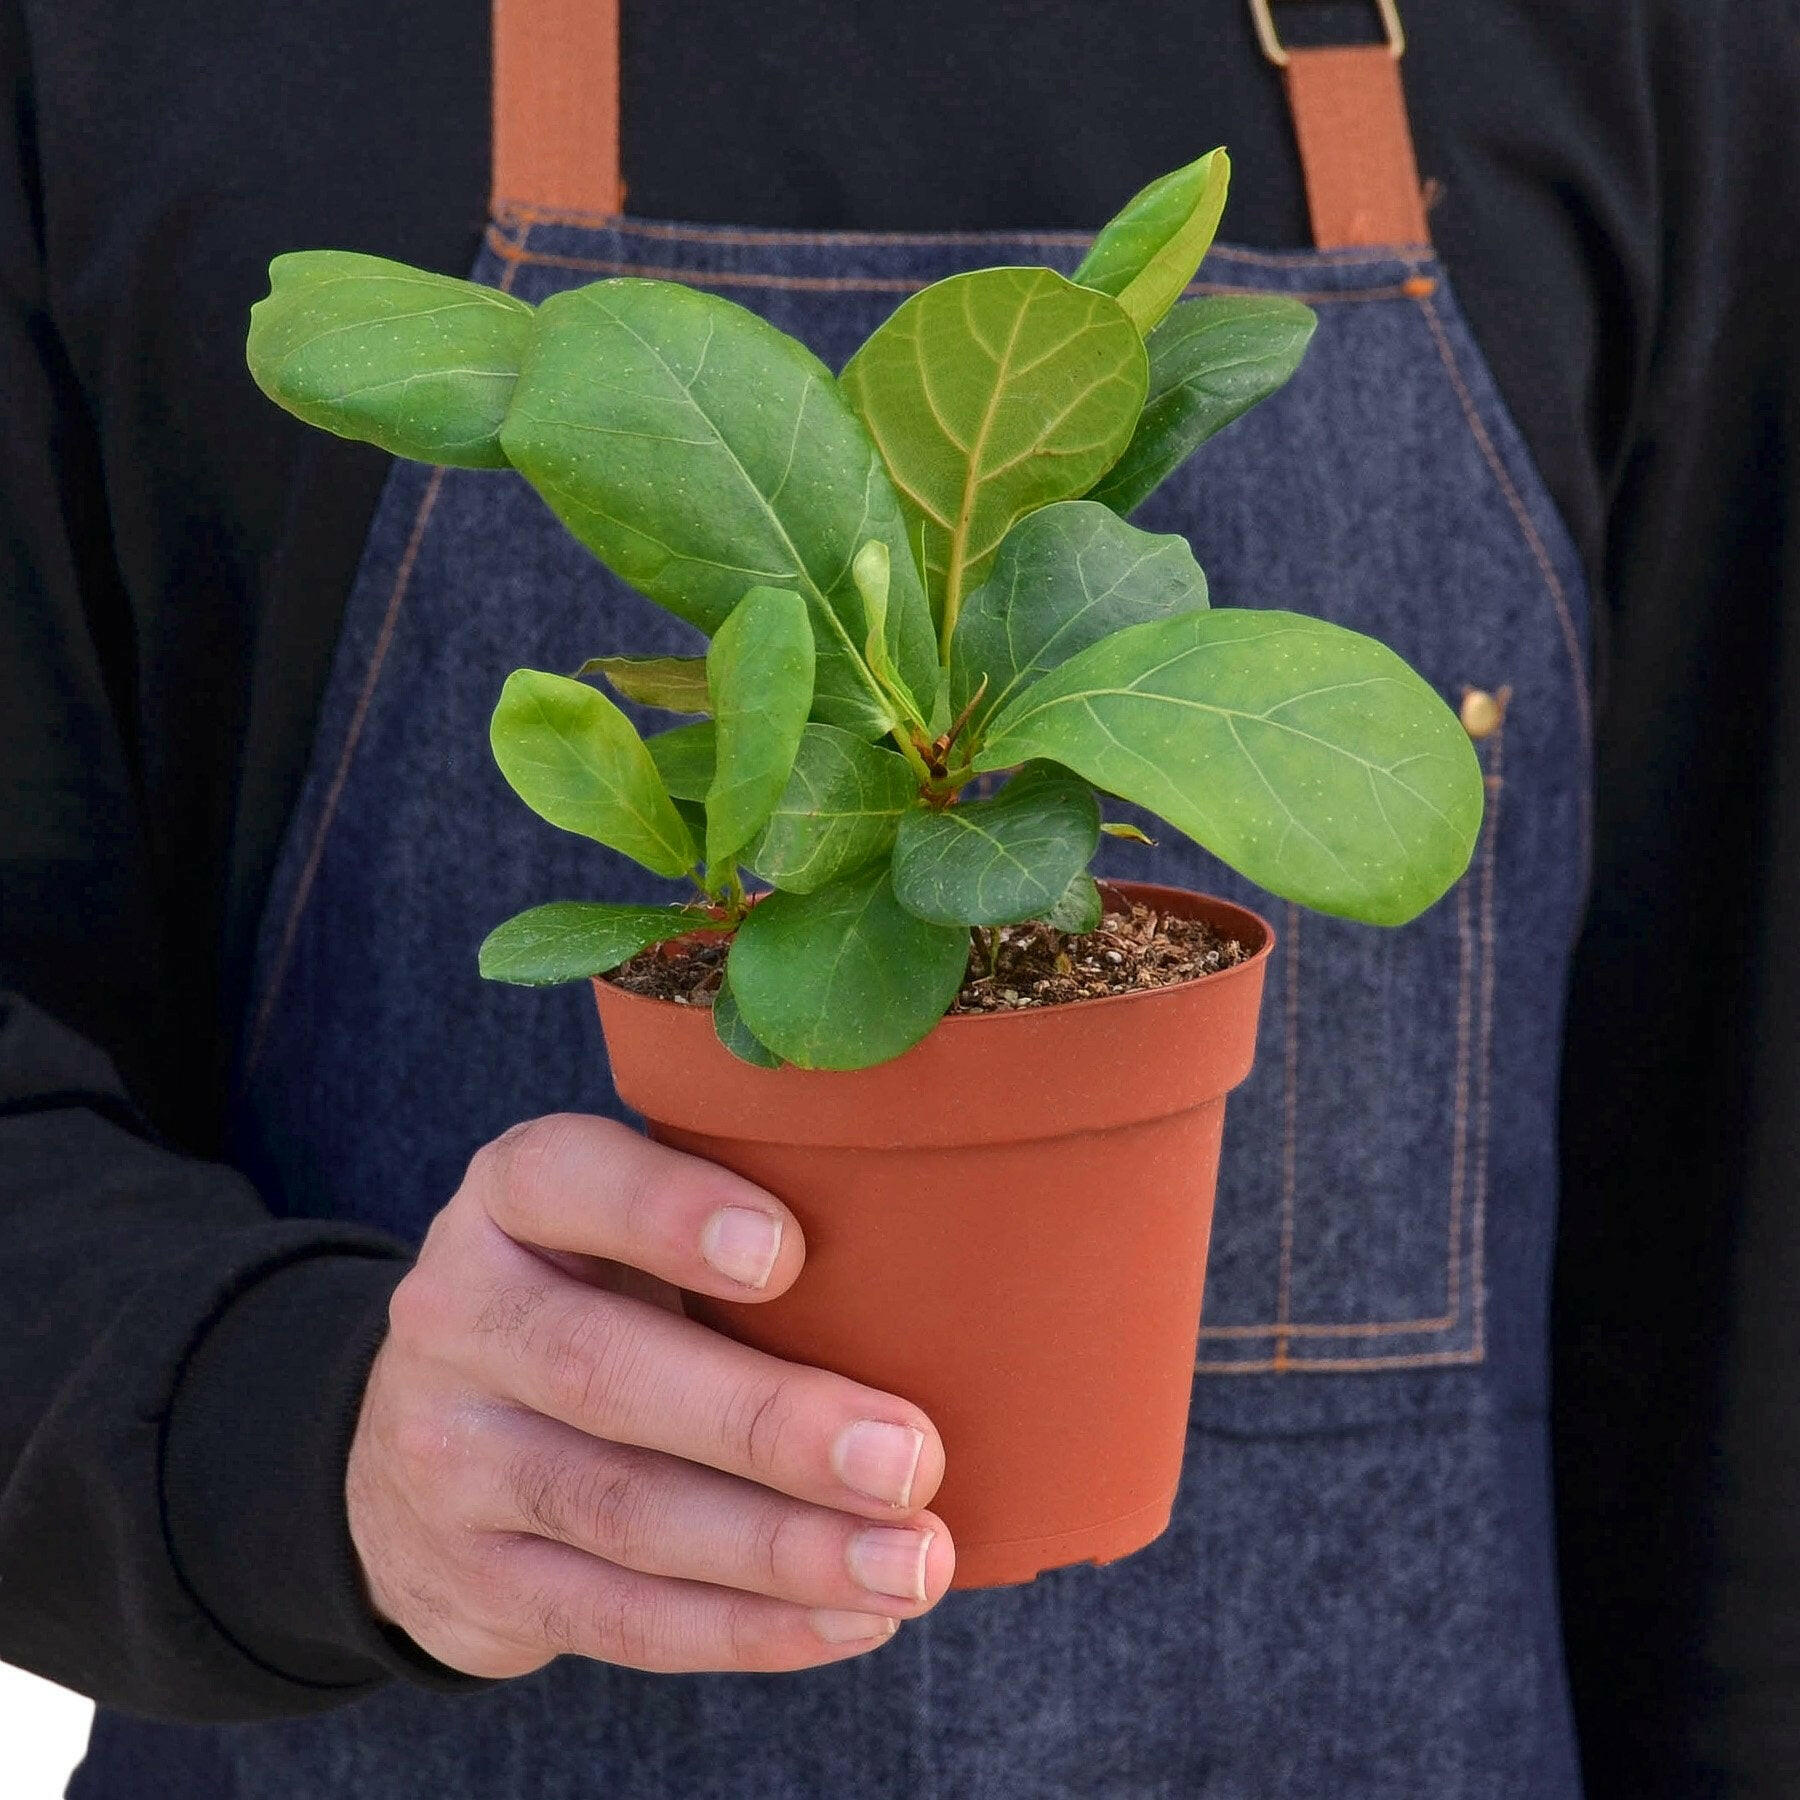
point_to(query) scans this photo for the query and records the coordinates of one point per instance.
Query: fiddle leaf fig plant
(916, 577)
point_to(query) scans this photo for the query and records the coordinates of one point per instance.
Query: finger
(592, 1187)
(649, 1512)
(631, 1373)
(572, 1603)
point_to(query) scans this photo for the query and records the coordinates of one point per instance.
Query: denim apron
(1356, 1597)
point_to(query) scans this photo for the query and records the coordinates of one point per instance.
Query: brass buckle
(1272, 46)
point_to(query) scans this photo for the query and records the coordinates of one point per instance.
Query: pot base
(1019, 1560)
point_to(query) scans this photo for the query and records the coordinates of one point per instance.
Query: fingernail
(742, 1244)
(879, 1459)
(848, 1627)
(891, 1561)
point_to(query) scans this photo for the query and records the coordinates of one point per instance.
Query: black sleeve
(172, 1535)
(1678, 1304)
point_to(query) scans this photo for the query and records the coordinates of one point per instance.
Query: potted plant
(992, 1092)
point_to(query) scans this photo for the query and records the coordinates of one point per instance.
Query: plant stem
(910, 751)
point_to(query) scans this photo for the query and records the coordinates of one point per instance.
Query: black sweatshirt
(1616, 193)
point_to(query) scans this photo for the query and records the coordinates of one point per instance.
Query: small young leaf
(839, 810)
(844, 978)
(1150, 251)
(871, 572)
(1122, 828)
(569, 940)
(1066, 577)
(576, 760)
(676, 683)
(685, 758)
(421, 364)
(1080, 908)
(1308, 757)
(698, 451)
(1034, 387)
(1211, 360)
(760, 671)
(995, 862)
(735, 1035)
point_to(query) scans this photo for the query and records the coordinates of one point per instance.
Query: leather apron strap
(556, 109)
(1356, 151)
(556, 122)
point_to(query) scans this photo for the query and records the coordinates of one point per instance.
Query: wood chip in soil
(1033, 964)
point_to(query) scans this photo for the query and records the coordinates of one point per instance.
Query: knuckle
(420, 1307)
(619, 1513)
(755, 1646)
(773, 1550)
(624, 1628)
(423, 1446)
(519, 1164)
(586, 1357)
(757, 1423)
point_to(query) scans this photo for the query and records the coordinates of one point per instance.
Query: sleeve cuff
(254, 1454)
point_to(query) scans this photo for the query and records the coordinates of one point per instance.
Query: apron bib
(1356, 1599)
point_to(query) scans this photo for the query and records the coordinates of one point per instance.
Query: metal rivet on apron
(1418, 287)
(1484, 713)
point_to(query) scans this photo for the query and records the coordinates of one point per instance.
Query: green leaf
(576, 760)
(1080, 908)
(677, 683)
(760, 671)
(1123, 828)
(1210, 361)
(844, 978)
(839, 810)
(569, 940)
(685, 758)
(1150, 251)
(735, 1035)
(995, 862)
(421, 364)
(1066, 577)
(872, 571)
(989, 395)
(1308, 757)
(698, 452)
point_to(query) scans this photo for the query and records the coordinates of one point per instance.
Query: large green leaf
(1308, 757)
(1080, 908)
(840, 809)
(735, 1035)
(1150, 251)
(421, 364)
(1211, 360)
(995, 862)
(677, 683)
(760, 670)
(571, 939)
(846, 977)
(576, 760)
(698, 451)
(686, 758)
(989, 395)
(1066, 577)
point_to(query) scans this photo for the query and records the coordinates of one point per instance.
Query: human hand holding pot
(551, 1459)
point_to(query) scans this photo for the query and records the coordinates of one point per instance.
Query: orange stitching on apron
(1290, 1137)
(1533, 541)
(507, 213)
(1284, 1329)
(315, 853)
(848, 284)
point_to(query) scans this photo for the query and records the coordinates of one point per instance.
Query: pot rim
(1030, 1072)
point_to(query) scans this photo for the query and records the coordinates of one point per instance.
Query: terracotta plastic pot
(1007, 1225)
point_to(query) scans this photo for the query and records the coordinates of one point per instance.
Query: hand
(551, 1459)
